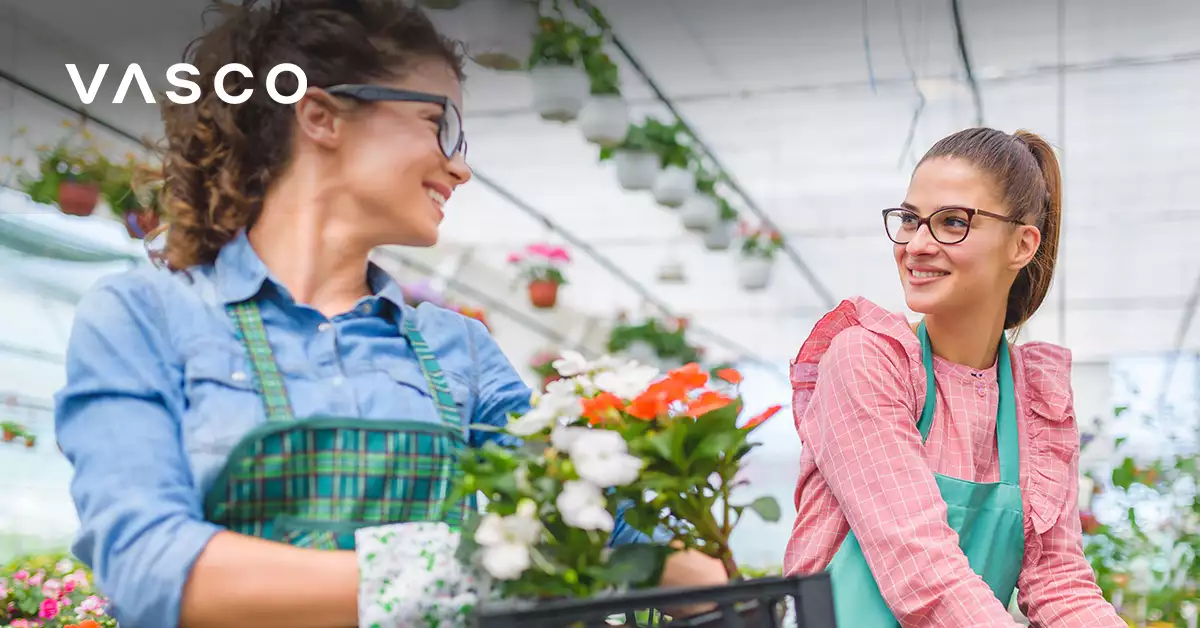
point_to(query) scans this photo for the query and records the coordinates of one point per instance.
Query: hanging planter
(754, 273)
(604, 120)
(30, 441)
(671, 271)
(501, 33)
(700, 212)
(673, 185)
(759, 247)
(720, 236)
(540, 265)
(556, 67)
(652, 342)
(9, 431)
(68, 178)
(637, 164)
(129, 194)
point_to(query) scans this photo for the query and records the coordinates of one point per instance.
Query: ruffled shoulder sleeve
(1042, 377)
(858, 312)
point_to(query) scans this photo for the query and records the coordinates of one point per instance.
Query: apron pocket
(314, 533)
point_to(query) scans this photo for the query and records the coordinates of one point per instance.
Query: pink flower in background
(93, 605)
(49, 609)
(69, 586)
(19, 623)
(77, 579)
(3, 590)
(36, 579)
(21, 576)
(53, 589)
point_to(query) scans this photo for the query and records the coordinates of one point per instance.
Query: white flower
(532, 422)
(506, 541)
(571, 363)
(627, 382)
(582, 506)
(600, 456)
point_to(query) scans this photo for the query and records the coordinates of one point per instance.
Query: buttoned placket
(330, 367)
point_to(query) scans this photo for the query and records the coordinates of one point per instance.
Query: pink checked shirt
(863, 465)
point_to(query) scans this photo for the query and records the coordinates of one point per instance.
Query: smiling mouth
(925, 274)
(436, 196)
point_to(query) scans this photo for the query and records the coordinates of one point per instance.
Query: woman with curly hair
(236, 420)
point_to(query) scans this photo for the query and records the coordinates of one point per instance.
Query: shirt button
(981, 392)
(238, 376)
(323, 327)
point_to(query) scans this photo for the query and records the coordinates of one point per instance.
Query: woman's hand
(690, 568)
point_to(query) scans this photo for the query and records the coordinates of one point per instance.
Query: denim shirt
(158, 392)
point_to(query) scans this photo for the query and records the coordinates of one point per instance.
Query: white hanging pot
(754, 272)
(700, 212)
(559, 91)
(673, 185)
(641, 352)
(720, 236)
(636, 170)
(499, 33)
(604, 119)
(671, 271)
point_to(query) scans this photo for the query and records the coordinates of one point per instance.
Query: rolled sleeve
(117, 422)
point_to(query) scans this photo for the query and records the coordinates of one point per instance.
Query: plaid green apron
(312, 482)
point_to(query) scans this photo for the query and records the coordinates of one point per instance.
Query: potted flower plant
(69, 178)
(652, 342)
(637, 164)
(51, 591)
(674, 181)
(133, 196)
(476, 313)
(10, 430)
(719, 237)
(604, 120)
(759, 247)
(560, 83)
(542, 364)
(540, 265)
(597, 442)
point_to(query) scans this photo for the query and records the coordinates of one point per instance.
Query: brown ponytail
(1026, 172)
(220, 158)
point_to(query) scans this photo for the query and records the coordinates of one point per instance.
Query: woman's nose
(922, 242)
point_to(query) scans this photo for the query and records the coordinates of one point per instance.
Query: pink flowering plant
(51, 592)
(760, 242)
(541, 262)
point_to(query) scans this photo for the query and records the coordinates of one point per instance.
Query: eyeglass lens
(450, 136)
(948, 226)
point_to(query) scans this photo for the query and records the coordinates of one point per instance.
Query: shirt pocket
(222, 402)
(415, 400)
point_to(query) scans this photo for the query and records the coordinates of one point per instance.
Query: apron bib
(987, 517)
(313, 482)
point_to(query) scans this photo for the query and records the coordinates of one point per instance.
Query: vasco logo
(134, 73)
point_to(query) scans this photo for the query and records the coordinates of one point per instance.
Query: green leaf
(767, 508)
(636, 564)
(1125, 475)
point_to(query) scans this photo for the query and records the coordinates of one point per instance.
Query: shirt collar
(241, 275)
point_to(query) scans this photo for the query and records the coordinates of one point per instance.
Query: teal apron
(987, 517)
(312, 482)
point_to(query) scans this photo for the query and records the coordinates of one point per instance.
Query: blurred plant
(541, 262)
(760, 242)
(51, 591)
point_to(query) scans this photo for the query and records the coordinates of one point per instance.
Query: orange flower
(89, 623)
(689, 376)
(730, 375)
(761, 418)
(708, 401)
(602, 407)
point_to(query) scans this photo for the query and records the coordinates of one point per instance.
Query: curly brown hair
(1025, 170)
(220, 158)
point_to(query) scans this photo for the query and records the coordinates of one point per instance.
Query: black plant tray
(756, 603)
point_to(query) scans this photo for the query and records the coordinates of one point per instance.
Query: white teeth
(437, 198)
(920, 274)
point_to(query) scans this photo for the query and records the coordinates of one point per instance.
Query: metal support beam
(960, 38)
(788, 250)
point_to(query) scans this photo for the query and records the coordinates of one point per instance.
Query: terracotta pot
(78, 199)
(543, 294)
(9, 435)
(138, 224)
(29, 442)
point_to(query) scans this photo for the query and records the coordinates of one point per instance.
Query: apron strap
(435, 379)
(1007, 440)
(252, 334)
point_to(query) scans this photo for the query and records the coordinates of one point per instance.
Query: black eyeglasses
(948, 225)
(450, 127)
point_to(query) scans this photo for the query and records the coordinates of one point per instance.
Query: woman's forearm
(243, 581)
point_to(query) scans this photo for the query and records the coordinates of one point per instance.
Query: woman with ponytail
(939, 469)
(250, 425)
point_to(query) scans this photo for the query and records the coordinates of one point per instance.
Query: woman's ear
(1027, 240)
(319, 118)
